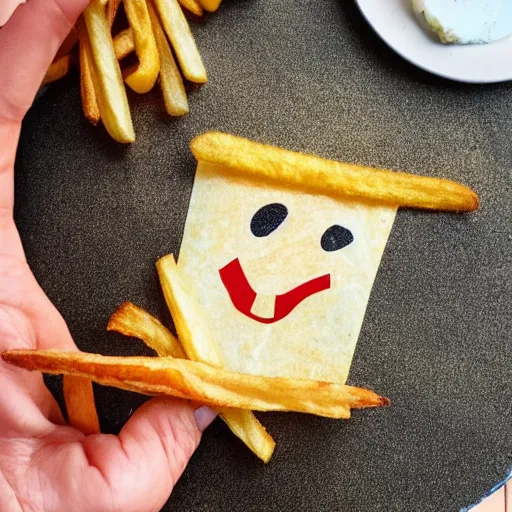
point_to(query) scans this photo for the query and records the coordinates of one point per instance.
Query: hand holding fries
(45, 463)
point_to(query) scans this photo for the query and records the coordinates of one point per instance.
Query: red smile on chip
(243, 296)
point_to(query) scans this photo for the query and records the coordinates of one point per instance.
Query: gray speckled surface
(311, 76)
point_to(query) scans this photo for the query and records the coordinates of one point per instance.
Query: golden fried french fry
(58, 69)
(80, 406)
(111, 93)
(201, 383)
(210, 5)
(200, 346)
(193, 6)
(123, 43)
(131, 320)
(146, 72)
(190, 322)
(171, 83)
(112, 8)
(178, 32)
(290, 169)
(90, 104)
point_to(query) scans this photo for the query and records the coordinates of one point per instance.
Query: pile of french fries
(158, 34)
(191, 368)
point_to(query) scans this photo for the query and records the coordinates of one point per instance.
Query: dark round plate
(310, 76)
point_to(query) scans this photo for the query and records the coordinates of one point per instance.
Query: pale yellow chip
(318, 337)
(200, 345)
(281, 250)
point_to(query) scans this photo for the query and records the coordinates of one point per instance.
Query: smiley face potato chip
(281, 250)
(276, 268)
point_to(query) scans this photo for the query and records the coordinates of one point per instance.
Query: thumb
(143, 465)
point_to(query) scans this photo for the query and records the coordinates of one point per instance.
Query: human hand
(44, 464)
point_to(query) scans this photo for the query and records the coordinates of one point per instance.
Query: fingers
(144, 463)
(28, 43)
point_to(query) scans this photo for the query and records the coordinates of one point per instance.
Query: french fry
(171, 83)
(90, 104)
(123, 44)
(290, 169)
(201, 383)
(133, 321)
(111, 93)
(112, 8)
(210, 5)
(80, 406)
(193, 6)
(178, 32)
(58, 69)
(146, 72)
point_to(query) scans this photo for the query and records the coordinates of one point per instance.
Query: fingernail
(204, 416)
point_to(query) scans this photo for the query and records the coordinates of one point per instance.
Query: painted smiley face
(265, 222)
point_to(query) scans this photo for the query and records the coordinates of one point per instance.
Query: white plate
(396, 24)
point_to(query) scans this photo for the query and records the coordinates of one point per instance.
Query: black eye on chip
(268, 218)
(335, 238)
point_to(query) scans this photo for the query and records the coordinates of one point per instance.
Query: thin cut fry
(123, 44)
(200, 346)
(171, 83)
(111, 93)
(178, 32)
(210, 5)
(90, 104)
(193, 6)
(201, 383)
(144, 77)
(58, 69)
(287, 168)
(80, 406)
(131, 320)
(112, 8)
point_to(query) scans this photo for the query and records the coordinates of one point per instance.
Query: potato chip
(201, 346)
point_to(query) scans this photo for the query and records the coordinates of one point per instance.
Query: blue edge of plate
(491, 491)
(465, 509)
